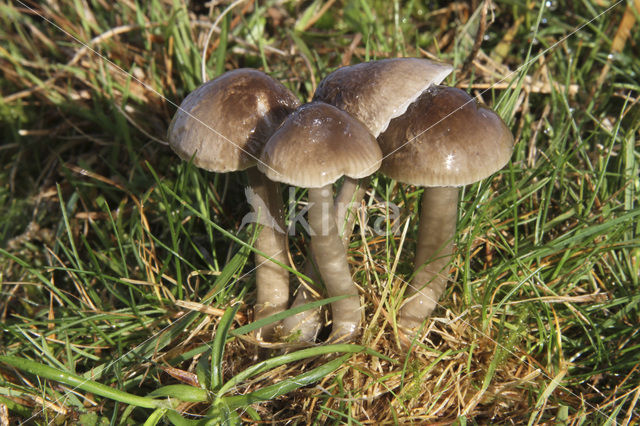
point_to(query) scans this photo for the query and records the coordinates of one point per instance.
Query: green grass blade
(285, 386)
(149, 346)
(182, 392)
(203, 369)
(217, 351)
(176, 419)
(21, 410)
(42, 278)
(80, 382)
(155, 417)
(272, 363)
(245, 329)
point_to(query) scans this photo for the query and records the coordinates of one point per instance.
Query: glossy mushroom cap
(445, 139)
(316, 145)
(224, 123)
(377, 91)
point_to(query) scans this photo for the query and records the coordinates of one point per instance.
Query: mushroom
(222, 126)
(443, 141)
(374, 93)
(314, 147)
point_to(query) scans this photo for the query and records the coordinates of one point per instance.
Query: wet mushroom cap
(377, 91)
(224, 123)
(316, 145)
(445, 139)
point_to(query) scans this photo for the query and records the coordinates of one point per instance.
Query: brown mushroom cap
(377, 91)
(445, 139)
(224, 123)
(316, 145)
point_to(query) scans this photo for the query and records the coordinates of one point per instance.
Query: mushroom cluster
(390, 115)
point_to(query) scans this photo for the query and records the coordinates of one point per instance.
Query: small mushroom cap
(377, 91)
(225, 122)
(445, 139)
(318, 144)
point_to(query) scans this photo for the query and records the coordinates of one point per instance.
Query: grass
(127, 287)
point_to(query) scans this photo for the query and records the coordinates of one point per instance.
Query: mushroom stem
(433, 253)
(272, 280)
(307, 323)
(304, 327)
(347, 201)
(331, 255)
